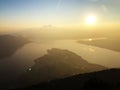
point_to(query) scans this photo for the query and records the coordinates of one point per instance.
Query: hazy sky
(36, 13)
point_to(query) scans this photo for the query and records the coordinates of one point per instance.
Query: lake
(92, 54)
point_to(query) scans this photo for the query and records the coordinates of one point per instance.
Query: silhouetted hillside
(9, 44)
(57, 63)
(102, 80)
(108, 44)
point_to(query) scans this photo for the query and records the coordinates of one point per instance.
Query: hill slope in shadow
(101, 80)
(9, 44)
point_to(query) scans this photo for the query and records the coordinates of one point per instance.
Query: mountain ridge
(100, 80)
(9, 44)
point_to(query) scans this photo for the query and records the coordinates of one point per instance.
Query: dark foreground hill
(102, 80)
(9, 44)
(56, 64)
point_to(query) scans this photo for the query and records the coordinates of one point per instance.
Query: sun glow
(90, 39)
(91, 19)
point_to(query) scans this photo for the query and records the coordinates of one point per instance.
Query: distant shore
(107, 43)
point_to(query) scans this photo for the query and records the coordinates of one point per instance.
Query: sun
(90, 39)
(91, 19)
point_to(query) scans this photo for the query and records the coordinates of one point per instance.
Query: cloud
(104, 8)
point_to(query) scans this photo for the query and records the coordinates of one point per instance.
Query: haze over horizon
(69, 14)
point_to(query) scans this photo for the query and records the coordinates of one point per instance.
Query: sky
(59, 13)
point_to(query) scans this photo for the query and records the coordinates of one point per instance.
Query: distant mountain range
(9, 44)
(56, 64)
(101, 80)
